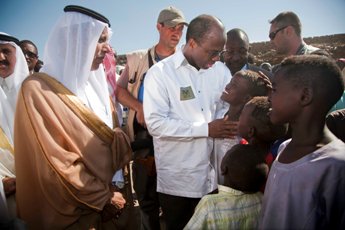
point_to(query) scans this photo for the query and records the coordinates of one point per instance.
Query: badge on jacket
(186, 93)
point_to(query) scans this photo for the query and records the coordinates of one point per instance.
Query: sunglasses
(30, 54)
(273, 34)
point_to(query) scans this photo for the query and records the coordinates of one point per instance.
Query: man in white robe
(13, 70)
(64, 120)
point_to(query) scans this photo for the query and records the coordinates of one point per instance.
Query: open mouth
(175, 39)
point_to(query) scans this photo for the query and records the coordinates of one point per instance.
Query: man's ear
(290, 30)
(306, 96)
(159, 26)
(192, 43)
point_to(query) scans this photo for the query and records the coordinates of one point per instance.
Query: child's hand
(9, 185)
(266, 80)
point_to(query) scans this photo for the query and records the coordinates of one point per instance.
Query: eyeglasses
(30, 54)
(273, 34)
(211, 53)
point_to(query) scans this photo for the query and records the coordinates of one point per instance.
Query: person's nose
(2, 56)
(178, 32)
(106, 47)
(26, 56)
(177, 35)
(236, 56)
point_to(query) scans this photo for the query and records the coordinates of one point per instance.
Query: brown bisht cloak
(65, 157)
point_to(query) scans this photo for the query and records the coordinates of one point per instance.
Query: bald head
(201, 27)
(205, 40)
(238, 34)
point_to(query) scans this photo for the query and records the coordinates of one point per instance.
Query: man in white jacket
(181, 102)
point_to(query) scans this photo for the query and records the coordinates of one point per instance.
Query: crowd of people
(211, 141)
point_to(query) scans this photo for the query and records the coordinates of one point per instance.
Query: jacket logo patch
(186, 93)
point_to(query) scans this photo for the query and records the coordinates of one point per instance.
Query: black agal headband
(88, 12)
(8, 38)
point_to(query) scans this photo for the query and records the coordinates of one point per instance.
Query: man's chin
(4, 73)
(208, 65)
(235, 69)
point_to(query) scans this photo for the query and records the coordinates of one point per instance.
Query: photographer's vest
(138, 62)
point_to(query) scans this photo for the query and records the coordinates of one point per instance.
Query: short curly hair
(265, 130)
(320, 73)
(288, 18)
(244, 168)
(257, 87)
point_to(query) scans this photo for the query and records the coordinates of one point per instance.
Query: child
(238, 203)
(244, 85)
(255, 126)
(306, 184)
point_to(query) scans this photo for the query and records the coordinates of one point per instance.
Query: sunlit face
(170, 36)
(30, 54)
(235, 54)
(278, 41)
(284, 99)
(101, 49)
(206, 56)
(207, 52)
(237, 91)
(7, 60)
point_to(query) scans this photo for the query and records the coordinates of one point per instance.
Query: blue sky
(134, 21)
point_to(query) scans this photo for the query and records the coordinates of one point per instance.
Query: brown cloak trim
(73, 102)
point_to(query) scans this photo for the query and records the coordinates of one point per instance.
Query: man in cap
(13, 70)
(66, 148)
(170, 25)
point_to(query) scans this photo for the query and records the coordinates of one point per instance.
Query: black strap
(8, 38)
(150, 58)
(150, 64)
(88, 12)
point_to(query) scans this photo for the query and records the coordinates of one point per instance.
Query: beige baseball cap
(171, 17)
